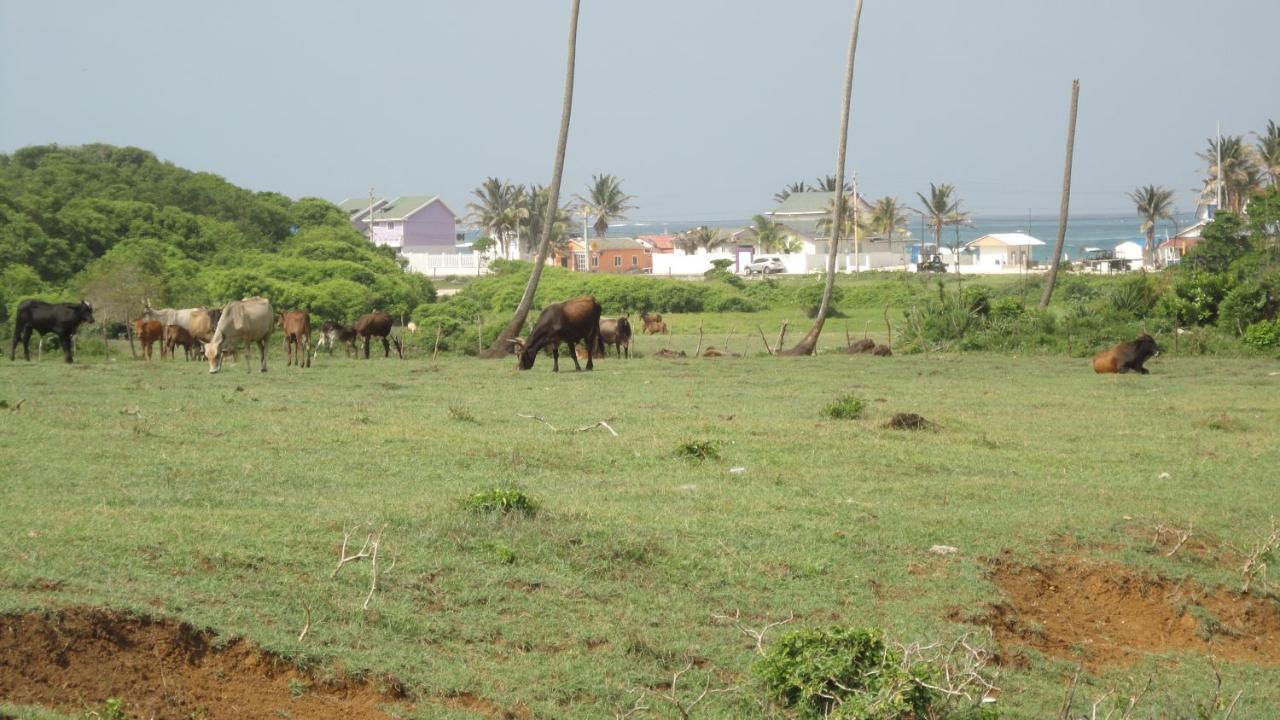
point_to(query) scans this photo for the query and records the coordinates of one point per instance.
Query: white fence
(441, 264)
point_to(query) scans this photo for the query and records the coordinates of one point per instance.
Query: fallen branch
(1255, 566)
(307, 625)
(765, 339)
(672, 695)
(757, 635)
(598, 423)
(369, 550)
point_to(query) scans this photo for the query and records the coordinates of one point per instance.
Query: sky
(703, 108)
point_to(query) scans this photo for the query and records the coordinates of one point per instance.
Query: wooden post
(479, 334)
(128, 332)
(888, 328)
(765, 340)
(436, 349)
(699, 350)
(729, 337)
(782, 334)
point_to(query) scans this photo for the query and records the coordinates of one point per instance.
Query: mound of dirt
(910, 421)
(75, 659)
(1108, 614)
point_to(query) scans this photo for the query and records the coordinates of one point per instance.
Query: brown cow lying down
(1127, 356)
(669, 353)
(653, 324)
(881, 351)
(865, 345)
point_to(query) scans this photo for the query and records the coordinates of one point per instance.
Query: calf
(175, 335)
(296, 325)
(61, 319)
(615, 332)
(1127, 356)
(653, 324)
(332, 333)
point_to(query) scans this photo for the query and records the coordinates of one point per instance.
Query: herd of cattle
(242, 323)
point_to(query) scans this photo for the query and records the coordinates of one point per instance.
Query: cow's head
(84, 312)
(213, 353)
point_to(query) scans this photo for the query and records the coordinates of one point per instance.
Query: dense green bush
(501, 501)
(845, 407)
(1263, 335)
(1194, 298)
(849, 674)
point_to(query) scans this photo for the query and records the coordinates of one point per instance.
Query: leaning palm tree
(809, 344)
(1268, 151)
(1153, 203)
(502, 344)
(796, 187)
(939, 210)
(605, 201)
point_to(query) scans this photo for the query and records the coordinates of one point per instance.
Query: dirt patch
(1107, 614)
(910, 421)
(486, 707)
(75, 659)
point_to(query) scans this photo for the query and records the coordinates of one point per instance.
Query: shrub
(1195, 298)
(699, 450)
(847, 673)
(846, 407)
(720, 271)
(1262, 335)
(809, 297)
(502, 501)
(1245, 305)
(1136, 295)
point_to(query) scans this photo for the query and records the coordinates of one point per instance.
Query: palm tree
(701, 238)
(1238, 173)
(502, 344)
(536, 203)
(796, 187)
(605, 201)
(1154, 203)
(770, 236)
(809, 344)
(886, 218)
(941, 210)
(1269, 151)
(496, 210)
(828, 184)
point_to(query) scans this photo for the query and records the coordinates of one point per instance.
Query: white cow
(243, 322)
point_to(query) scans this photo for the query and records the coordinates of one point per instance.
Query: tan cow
(243, 322)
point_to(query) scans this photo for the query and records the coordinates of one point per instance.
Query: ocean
(1083, 231)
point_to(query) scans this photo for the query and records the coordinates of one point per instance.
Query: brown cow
(653, 323)
(332, 333)
(1127, 356)
(615, 332)
(148, 333)
(377, 324)
(175, 335)
(568, 322)
(296, 325)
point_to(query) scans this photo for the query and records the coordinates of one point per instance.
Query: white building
(1000, 252)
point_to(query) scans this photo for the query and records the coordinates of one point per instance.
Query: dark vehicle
(932, 263)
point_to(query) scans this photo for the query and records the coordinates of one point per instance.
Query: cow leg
(591, 341)
(65, 342)
(306, 349)
(555, 357)
(386, 347)
(26, 343)
(288, 351)
(366, 346)
(573, 353)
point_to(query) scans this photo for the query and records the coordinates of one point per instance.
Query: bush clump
(846, 407)
(699, 450)
(1262, 335)
(852, 674)
(503, 501)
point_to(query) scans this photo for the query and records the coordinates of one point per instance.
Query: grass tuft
(502, 501)
(846, 407)
(699, 450)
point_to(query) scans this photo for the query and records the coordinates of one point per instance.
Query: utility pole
(1220, 178)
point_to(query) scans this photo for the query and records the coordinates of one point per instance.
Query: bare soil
(1106, 614)
(74, 659)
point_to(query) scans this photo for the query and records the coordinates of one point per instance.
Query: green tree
(537, 201)
(770, 236)
(828, 183)
(498, 210)
(1238, 173)
(1269, 151)
(940, 209)
(1222, 241)
(606, 202)
(1153, 203)
(796, 187)
(886, 219)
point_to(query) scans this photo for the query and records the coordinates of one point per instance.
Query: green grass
(222, 499)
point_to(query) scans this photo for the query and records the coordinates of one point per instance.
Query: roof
(403, 207)
(1192, 232)
(661, 243)
(804, 227)
(353, 206)
(623, 243)
(804, 203)
(1006, 239)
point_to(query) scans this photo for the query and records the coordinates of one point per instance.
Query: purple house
(412, 223)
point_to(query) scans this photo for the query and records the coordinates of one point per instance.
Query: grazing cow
(1127, 356)
(242, 322)
(377, 324)
(615, 332)
(61, 319)
(175, 335)
(567, 322)
(332, 333)
(297, 337)
(653, 324)
(148, 333)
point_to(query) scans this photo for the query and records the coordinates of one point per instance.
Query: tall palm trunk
(501, 345)
(809, 343)
(1066, 198)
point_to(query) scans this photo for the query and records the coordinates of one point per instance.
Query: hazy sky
(704, 108)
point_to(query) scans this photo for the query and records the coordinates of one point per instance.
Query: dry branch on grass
(598, 423)
(965, 667)
(757, 635)
(1255, 565)
(684, 708)
(1181, 535)
(307, 625)
(369, 550)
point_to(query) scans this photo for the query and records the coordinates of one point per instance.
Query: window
(595, 261)
(617, 260)
(635, 260)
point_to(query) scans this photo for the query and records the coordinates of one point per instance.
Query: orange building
(611, 255)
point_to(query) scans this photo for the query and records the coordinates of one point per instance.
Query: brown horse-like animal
(615, 332)
(149, 332)
(653, 324)
(296, 325)
(571, 321)
(1127, 356)
(175, 335)
(377, 324)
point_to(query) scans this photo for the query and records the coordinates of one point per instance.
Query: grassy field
(222, 500)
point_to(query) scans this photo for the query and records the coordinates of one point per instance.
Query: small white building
(999, 252)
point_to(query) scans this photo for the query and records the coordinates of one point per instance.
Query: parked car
(932, 263)
(765, 265)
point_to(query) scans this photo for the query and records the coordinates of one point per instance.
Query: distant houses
(802, 213)
(608, 255)
(410, 223)
(1172, 250)
(998, 252)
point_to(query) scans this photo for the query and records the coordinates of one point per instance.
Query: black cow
(61, 319)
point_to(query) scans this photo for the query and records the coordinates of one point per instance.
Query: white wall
(441, 264)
